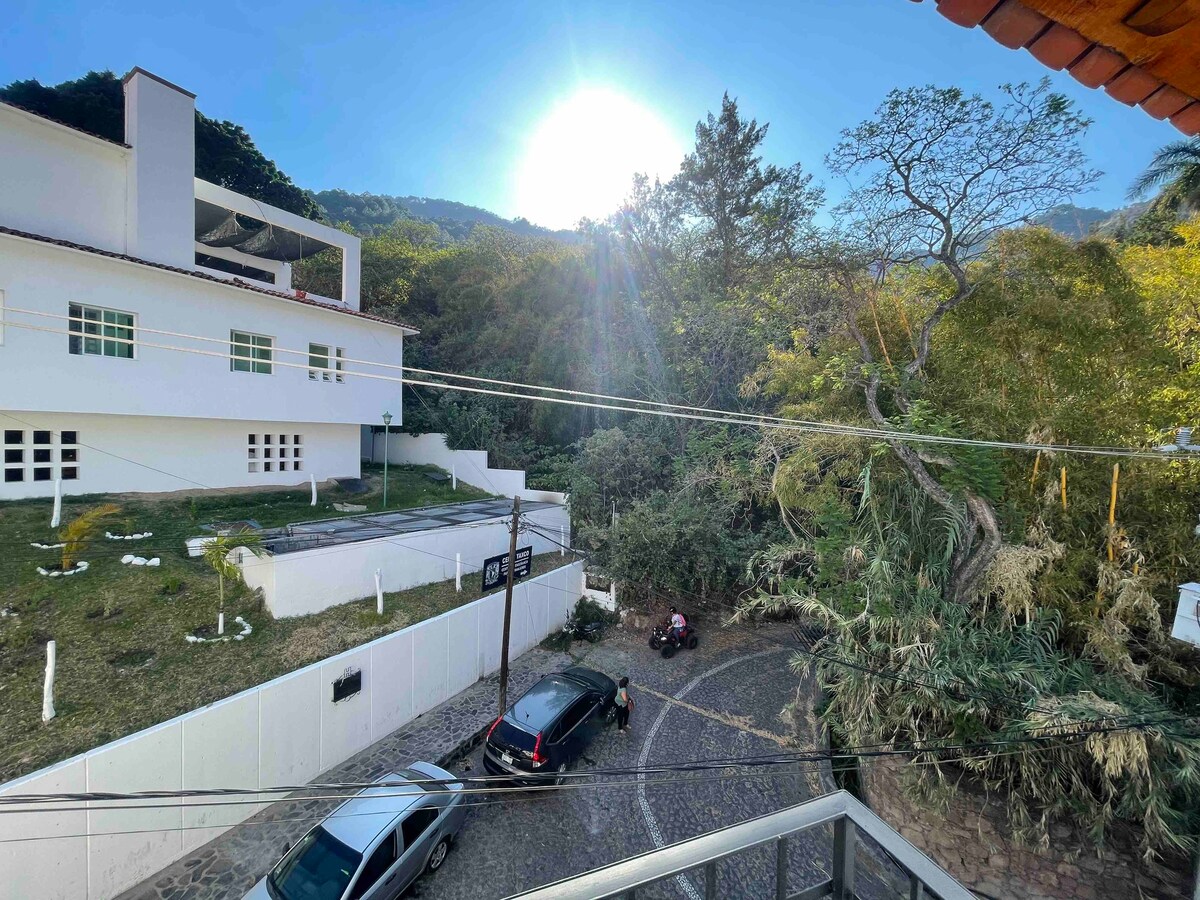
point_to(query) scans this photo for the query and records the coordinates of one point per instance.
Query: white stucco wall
(38, 372)
(286, 731)
(308, 581)
(60, 182)
(121, 453)
(471, 466)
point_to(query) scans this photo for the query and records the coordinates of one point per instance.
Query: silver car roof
(357, 822)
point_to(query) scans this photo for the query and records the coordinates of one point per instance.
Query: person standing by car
(624, 704)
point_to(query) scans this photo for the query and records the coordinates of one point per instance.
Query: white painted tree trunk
(48, 687)
(379, 591)
(314, 490)
(454, 477)
(220, 623)
(562, 541)
(56, 516)
(458, 572)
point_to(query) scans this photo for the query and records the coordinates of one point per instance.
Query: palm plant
(216, 554)
(1175, 168)
(77, 532)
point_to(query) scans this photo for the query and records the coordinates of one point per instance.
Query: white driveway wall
(285, 731)
(45, 376)
(58, 181)
(308, 581)
(122, 453)
(470, 466)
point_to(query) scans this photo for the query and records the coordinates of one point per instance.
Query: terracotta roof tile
(34, 112)
(1097, 66)
(1166, 101)
(967, 13)
(1132, 86)
(1059, 46)
(204, 276)
(1188, 119)
(1014, 24)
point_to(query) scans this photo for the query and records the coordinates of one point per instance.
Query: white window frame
(243, 345)
(77, 331)
(319, 371)
(339, 364)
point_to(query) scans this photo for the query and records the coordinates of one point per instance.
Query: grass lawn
(123, 662)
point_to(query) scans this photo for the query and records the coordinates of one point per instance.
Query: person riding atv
(673, 633)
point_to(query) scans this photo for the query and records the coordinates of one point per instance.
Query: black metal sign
(495, 569)
(348, 685)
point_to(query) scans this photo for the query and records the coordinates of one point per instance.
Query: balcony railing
(921, 877)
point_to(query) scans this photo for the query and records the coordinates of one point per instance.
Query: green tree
(225, 154)
(1176, 169)
(217, 552)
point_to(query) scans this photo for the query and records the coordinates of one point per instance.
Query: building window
(41, 456)
(70, 473)
(69, 455)
(100, 332)
(41, 437)
(14, 456)
(14, 437)
(250, 352)
(266, 454)
(14, 474)
(339, 366)
(42, 474)
(318, 363)
(69, 437)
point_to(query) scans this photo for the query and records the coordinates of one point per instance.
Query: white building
(150, 340)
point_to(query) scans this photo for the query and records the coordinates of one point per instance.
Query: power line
(672, 411)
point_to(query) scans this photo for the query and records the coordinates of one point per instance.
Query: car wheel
(610, 715)
(593, 637)
(560, 774)
(438, 856)
(692, 642)
(668, 651)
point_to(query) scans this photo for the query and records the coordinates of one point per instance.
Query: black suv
(545, 731)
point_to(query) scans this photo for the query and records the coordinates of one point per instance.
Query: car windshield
(319, 867)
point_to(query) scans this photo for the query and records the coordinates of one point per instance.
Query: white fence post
(379, 591)
(48, 687)
(313, 477)
(612, 594)
(458, 572)
(454, 477)
(56, 516)
(562, 540)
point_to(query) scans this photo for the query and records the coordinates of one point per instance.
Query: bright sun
(581, 158)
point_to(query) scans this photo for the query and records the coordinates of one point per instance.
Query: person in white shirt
(678, 623)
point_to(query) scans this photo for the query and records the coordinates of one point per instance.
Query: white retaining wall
(308, 581)
(286, 731)
(471, 466)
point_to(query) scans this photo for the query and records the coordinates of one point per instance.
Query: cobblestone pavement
(732, 690)
(230, 865)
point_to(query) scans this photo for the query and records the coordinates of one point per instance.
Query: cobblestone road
(731, 691)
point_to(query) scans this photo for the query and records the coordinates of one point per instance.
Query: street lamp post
(387, 421)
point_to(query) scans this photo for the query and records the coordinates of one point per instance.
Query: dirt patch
(138, 658)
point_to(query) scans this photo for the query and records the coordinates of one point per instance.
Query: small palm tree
(77, 532)
(216, 554)
(1175, 168)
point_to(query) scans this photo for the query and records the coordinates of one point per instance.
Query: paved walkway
(230, 865)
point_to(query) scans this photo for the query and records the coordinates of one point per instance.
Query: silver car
(373, 846)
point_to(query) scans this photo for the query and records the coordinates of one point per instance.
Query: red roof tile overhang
(1142, 52)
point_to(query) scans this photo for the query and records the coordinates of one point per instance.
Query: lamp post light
(387, 422)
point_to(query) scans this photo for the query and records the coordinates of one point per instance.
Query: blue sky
(439, 99)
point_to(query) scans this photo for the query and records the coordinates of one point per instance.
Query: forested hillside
(372, 213)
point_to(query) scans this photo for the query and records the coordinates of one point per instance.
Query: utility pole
(508, 588)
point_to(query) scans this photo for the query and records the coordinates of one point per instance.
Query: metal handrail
(843, 811)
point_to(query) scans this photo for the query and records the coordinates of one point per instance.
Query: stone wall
(970, 839)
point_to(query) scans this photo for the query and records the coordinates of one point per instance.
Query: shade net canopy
(220, 227)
